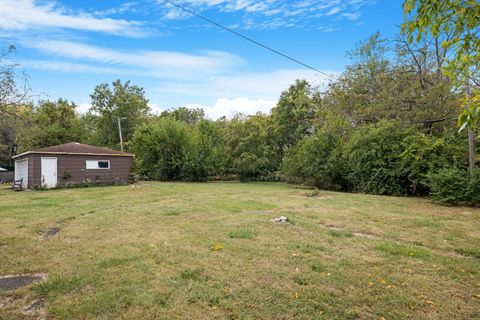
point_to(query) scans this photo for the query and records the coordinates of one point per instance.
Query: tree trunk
(471, 150)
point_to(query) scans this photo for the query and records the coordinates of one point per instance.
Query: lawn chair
(17, 185)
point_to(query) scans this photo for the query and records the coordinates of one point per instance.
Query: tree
(12, 94)
(293, 116)
(14, 107)
(108, 104)
(461, 20)
(399, 84)
(52, 123)
(11, 127)
(184, 114)
(247, 146)
(160, 146)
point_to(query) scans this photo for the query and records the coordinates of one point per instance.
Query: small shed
(72, 164)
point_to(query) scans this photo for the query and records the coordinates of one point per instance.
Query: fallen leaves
(217, 247)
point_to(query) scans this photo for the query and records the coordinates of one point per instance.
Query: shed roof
(75, 148)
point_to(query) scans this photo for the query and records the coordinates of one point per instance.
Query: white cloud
(29, 14)
(242, 92)
(83, 108)
(71, 67)
(270, 14)
(351, 15)
(228, 107)
(165, 63)
(255, 85)
(334, 10)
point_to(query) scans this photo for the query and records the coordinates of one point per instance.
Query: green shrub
(448, 186)
(453, 186)
(472, 193)
(316, 161)
(374, 157)
(425, 153)
(160, 146)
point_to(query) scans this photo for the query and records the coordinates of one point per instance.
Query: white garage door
(21, 171)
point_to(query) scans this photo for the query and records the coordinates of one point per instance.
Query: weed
(473, 252)
(195, 275)
(318, 268)
(340, 233)
(243, 234)
(397, 249)
(60, 285)
(171, 212)
(302, 281)
(113, 262)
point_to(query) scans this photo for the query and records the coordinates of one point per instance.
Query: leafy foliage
(160, 147)
(452, 186)
(316, 161)
(122, 100)
(52, 123)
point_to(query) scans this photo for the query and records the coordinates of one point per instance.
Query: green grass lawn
(210, 251)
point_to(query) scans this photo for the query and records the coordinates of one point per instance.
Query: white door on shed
(49, 172)
(21, 171)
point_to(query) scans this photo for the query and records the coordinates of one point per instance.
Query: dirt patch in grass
(36, 306)
(50, 233)
(339, 232)
(13, 282)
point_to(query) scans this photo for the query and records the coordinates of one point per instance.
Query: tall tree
(460, 19)
(184, 114)
(248, 146)
(383, 82)
(124, 101)
(292, 118)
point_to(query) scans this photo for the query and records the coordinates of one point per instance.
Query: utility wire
(248, 39)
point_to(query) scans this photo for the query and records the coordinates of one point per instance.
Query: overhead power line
(248, 39)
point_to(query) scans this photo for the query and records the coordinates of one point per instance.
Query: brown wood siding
(75, 166)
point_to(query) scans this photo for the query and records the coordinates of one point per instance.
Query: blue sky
(67, 47)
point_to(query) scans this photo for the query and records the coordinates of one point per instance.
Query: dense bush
(316, 161)
(170, 149)
(205, 156)
(374, 159)
(381, 158)
(425, 153)
(251, 155)
(453, 186)
(160, 147)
